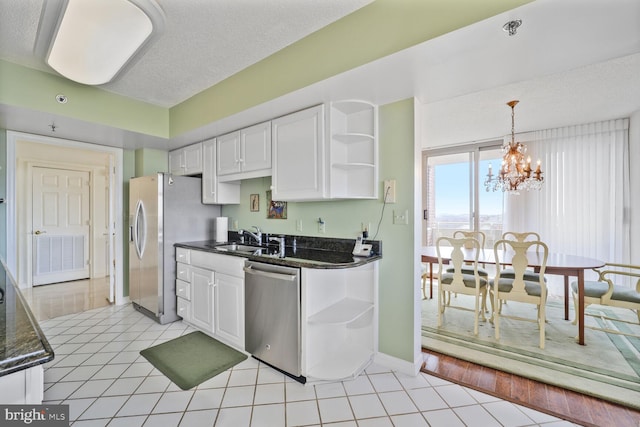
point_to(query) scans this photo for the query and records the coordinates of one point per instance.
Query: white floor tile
(409, 420)
(476, 415)
(324, 391)
(93, 388)
(92, 423)
(156, 384)
(359, 385)
(136, 421)
(375, 422)
(334, 410)
(443, 418)
(507, 414)
(295, 391)
(243, 377)
(426, 399)
(218, 381)
(482, 397)
(110, 371)
(173, 402)
(164, 420)
(77, 407)
(455, 395)
(139, 404)
(302, 413)
(267, 375)
(385, 382)
(397, 402)
(367, 406)
(238, 396)
(411, 381)
(62, 390)
(269, 393)
(199, 418)
(206, 399)
(234, 417)
(268, 416)
(537, 416)
(104, 407)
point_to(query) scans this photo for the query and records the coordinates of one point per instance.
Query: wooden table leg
(580, 313)
(566, 297)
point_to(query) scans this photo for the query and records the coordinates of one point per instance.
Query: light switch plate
(401, 217)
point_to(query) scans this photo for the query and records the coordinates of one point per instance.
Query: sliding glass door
(454, 197)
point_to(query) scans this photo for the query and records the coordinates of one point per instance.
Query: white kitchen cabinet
(210, 292)
(202, 299)
(229, 312)
(186, 160)
(213, 191)
(353, 150)
(298, 156)
(245, 153)
(339, 321)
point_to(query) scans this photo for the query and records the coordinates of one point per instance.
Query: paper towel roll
(222, 229)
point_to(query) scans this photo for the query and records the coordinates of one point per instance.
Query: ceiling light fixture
(91, 42)
(515, 173)
(511, 27)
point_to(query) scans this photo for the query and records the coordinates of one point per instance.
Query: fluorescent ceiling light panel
(96, 39)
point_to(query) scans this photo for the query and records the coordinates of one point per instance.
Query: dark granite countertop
(22, 343)
(308, 252)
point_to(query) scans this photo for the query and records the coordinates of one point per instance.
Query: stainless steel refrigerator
(163, 210)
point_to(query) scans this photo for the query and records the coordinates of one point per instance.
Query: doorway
(26, 152)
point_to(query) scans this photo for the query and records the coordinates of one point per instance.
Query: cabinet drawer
(227, 264)
(183, 255)
(183, 272)
(183, 289)
(184, 309)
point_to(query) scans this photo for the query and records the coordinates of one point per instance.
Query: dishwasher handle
(278, 276)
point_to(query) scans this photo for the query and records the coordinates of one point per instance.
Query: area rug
(191, 359)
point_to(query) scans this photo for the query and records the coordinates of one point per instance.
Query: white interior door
(60, 218)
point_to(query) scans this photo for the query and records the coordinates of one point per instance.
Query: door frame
(116, 203)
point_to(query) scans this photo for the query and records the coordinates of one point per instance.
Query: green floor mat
(192, 359)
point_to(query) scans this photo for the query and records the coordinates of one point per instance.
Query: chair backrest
(478, 235)
(457, 257)
(527, 236)
(515, 253)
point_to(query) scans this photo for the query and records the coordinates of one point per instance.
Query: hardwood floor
(566, 404)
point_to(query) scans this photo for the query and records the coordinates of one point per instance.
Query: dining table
(557, 263)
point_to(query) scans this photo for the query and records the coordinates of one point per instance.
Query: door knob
(37, 232)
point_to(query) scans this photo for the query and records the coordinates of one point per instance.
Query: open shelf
(348, 138)
(340, 365)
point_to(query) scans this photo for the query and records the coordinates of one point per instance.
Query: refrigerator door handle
(140, 229)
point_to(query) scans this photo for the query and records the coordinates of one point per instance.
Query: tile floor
(100, 374)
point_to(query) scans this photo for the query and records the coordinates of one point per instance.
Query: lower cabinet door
(229, 309)
(202, 296)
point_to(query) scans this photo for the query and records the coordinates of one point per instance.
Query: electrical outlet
(234, 224)
(298, 225)
(365, 226)
(401, 217)
(389, 192)
(321, 226)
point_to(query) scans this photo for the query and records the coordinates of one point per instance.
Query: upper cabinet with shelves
(213, 191)
(186, 160)
(245, 153)
(353, 150)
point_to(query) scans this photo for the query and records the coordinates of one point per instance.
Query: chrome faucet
(281, 247)
(257, 235)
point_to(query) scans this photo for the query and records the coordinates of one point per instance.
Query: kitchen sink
(234, 247)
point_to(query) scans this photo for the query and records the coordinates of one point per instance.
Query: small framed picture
(276, 210)
(254, 202)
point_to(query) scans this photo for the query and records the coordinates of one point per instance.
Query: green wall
(3, 194)
(344, 218)
(149, 161)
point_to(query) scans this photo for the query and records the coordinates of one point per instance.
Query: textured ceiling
(204, 42)
(573, 61)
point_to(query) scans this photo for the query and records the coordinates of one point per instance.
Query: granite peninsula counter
(23, 347)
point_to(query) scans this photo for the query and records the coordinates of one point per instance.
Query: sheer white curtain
(583, 207)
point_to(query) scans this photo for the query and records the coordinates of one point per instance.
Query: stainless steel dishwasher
(272, 316)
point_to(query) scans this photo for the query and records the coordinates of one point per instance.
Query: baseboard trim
(399, 365)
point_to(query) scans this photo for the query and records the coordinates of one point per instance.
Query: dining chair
(521, 237)
(517, 287)
(458, 281)
(606, 292)
(481, 237)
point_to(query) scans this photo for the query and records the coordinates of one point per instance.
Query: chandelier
(515, 173)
